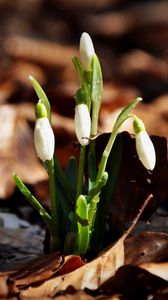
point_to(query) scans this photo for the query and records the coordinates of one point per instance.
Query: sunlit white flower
(86, 49)
(82, 124)
(44, 139)
(144, 145)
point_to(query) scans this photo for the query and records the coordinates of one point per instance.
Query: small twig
(138, 215)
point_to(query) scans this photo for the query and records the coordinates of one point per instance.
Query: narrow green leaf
(106, 196)
(64, 181)
(125, 113)
(71, 172)
(82, 223)
(92, 212)
(96, 92)
(97, 188)
(92, 168)
(80, 71)
(41, 95)
(96, 80)
(64, 200)
(33, 201)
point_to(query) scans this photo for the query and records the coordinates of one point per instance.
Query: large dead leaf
(134, 183)
(90, 275)
(146, 247)
(134, 283)
(43, 268)
(124, 194)
(158, 269)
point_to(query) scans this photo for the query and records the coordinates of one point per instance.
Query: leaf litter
(52, 274)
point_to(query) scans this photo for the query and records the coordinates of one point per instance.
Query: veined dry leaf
(146, 247)
(158, 269)
(39, 269)
(90, 276)
(43, 268)
(133, 283)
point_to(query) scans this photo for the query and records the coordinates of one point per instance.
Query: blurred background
(40, 38)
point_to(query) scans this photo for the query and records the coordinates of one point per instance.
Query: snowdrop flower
(144, 145)
(82, 124)
(86, 49)
(43, 134)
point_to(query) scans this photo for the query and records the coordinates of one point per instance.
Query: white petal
(86, 49)
(82, 124)
(145, 150)
(44, 139)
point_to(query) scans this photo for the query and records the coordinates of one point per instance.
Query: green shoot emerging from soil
(75, 193)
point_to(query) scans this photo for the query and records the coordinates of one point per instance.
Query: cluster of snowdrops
(75, 193)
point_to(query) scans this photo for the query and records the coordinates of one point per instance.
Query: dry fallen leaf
(158, 269)
(90, 276)
(134, 283)
(146, 247)
(52, 275)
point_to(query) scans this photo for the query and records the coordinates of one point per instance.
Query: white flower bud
(44, 139)
(86, 49)
(144, 145)
(82, 124)
(145, 150)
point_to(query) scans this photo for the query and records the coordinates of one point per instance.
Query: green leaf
(106, 196)
(92, 168)
(80, 71)
(64, 201)
(96, 92)
(82, 223)
(125, 113)
(97, 188)
(64, 181)
(80, 97)
(41, 95)
(92, 212)
(96, 80)
(71, 172)
(33, 201)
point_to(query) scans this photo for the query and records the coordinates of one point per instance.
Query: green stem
(123, 116)
(53, 198)
(95, 116)
(105, 155)
(81, 171)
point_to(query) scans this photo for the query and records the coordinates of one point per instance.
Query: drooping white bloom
(44, 139)
(144, 145)
(86, 49)
(82, 124)
(145, 150)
